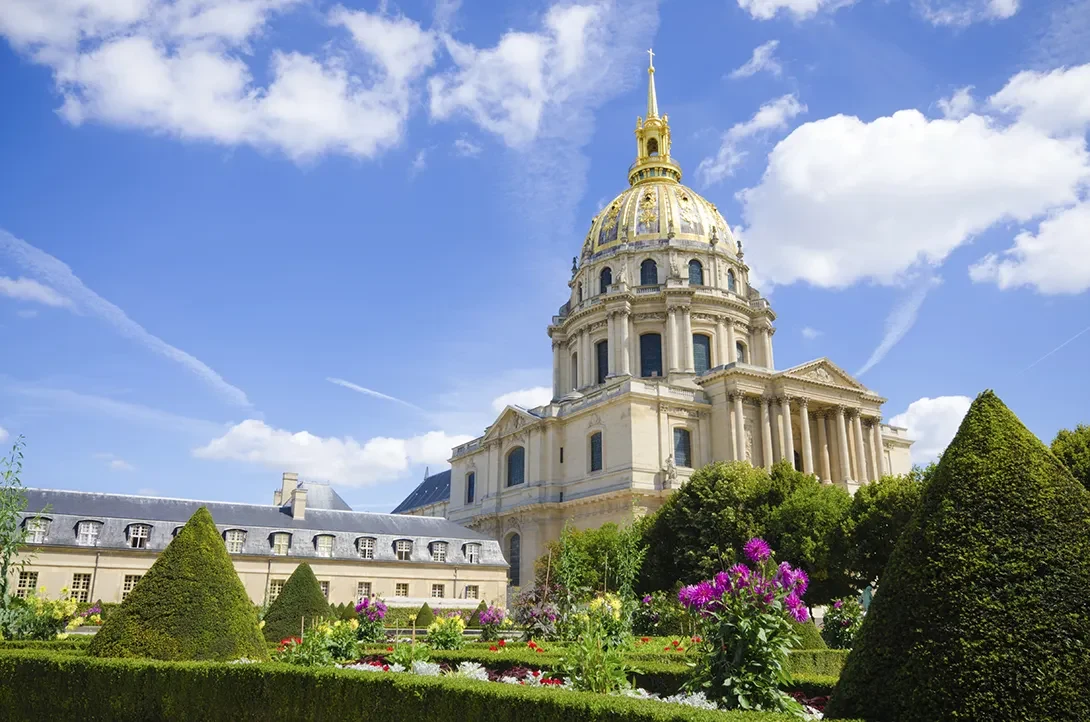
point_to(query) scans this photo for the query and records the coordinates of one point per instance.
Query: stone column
(823, 447)
(860, 452)
(768, 349)
(766, 432)
(688, 362)
(807, 448)
(721, 342)
(611, 350)
(842, 441)
(732, 436)
(589, 375)
(876, 447)
(732, 344)
(557, 391)
(623, 345)
(671, 340)
(739, 428)
(777, 431)
(633, 346)
(788, 434)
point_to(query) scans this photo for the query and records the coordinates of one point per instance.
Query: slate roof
(434, 489)
(322, 496)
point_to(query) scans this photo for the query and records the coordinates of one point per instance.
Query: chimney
(288, 482)
(298, 503)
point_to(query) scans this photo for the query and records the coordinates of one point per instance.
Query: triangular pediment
(824, 371)
(511, 420)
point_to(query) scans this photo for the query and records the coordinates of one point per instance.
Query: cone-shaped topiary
(809, 635)
(475, 618)
(300, 602)
(983, 612)
(424, 617)
(189, 605)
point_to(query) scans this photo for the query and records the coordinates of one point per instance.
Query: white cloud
(1057, 102)
(932, 423)
(371, 392)
(810, 333)
(339, 460)
(506, 89)
(526, 398)
(59, 277)
(899, 322)
(420, 162)
(181, 68)
(771, 116)
(798, 9)
(960, 13)
(445, 13)
(3, 433)
(27, 289)
(466, 148)
(958, 105)
(1055, 260)
(764, 58)
(114, 462)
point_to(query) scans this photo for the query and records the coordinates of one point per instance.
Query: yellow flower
(260, 625)
(354, 623)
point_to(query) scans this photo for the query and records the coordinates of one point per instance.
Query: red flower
(666, 648)
(493, 648)
(502, 643)
(389, 649)
(645, 640)
(697, 640)
(531, 644)
(385, 668)
(540, 650)
(675, 642)
(536, 672)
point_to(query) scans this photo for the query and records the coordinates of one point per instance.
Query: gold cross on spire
(651, 54)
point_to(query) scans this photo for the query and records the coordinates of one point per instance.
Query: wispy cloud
(420, 162)
(27, 289)
(526, 398)
(466, 148)
(764, 58)
(55, 274)
(115, 462)
(122, 410)
(774, 115)
(1065, 343)
(371, 392)
(899, 322)
(810, 333)
(3, 433)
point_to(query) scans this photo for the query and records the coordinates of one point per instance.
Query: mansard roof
(433, 490)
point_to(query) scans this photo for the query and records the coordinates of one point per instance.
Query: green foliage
(983, 611)
(37, 617)
(40, 685)
(843, 620)
(424, 617)
(594, 662)
(659, 614)
(406, 653)
(878, 515)
(345, 611)
(308, 651)
(13, 533)
(809, 635)
(446, 632)
(475, 619)
(1073, 449)
(300, 604)
(189, 605)
(585, 562)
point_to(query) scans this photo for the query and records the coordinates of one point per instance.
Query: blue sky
(239, 237)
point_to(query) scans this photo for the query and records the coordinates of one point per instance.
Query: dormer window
(235, 538)
(139, 535)
(473, 553)
(87, 533)
(403, 548)
(323, 544)
(438, 551)
(36, 530)
(281, 542)
(366, 547)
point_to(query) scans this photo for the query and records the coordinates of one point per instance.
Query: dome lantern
(653, 140)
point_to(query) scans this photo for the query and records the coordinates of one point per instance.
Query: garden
(980, 566)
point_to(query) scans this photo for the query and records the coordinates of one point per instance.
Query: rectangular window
(325, 546)
(471, 487)
(81, 588)
(275, 587)
(363, 590)
(28, 583)
(561, 454)
(439, 551)
(281, 542)
(366, 547)
(602, 351)
(404, 550)
(473, 553)
(235, 539)
(87, 533)
(650, 355)
(401, 589)
(324, 586)
(129, 584)
(702, 353)
(473, 591)
(596, 451)
(683, 449)
(36, 530)
(438, 591)
(138, 536)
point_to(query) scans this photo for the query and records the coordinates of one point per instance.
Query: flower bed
(42, 685)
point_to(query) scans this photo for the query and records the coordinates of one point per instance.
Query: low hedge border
(56, 645)
(45, 685)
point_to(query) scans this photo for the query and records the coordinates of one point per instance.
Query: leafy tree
(879, 512)
(13, 503)
(190, 605)
(300, 602)
(983, 612)
(1073, 449)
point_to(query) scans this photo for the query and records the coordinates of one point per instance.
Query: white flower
(510, 680)
(365, 667)
(697, 700)
(395, 667)
(470, 670)
(427, 669)
(243, 660)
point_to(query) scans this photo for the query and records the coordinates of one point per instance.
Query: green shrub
(189, 605)
(400, 617)
(299, 603)
(983, 611)
(809, 635)
(39, 685)
(475, 618)
(424, 617)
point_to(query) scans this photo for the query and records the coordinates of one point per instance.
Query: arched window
(596, 451)
(471, 487)
(514, 558)
(605, 280)
(702, 352)
(516, 466)
(696, 273)
(683, 448)
(650, 355)
(575, 371)
(652, 146)
(732, 282)
(601, 350)
(740, 351)
(649, 273)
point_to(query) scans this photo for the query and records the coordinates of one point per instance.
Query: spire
(652, 100)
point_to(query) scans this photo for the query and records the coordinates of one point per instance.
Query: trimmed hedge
(810, 635)
(424, 617)
(984, 611)
(300, 599)
(41, 685)
(189, 605)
